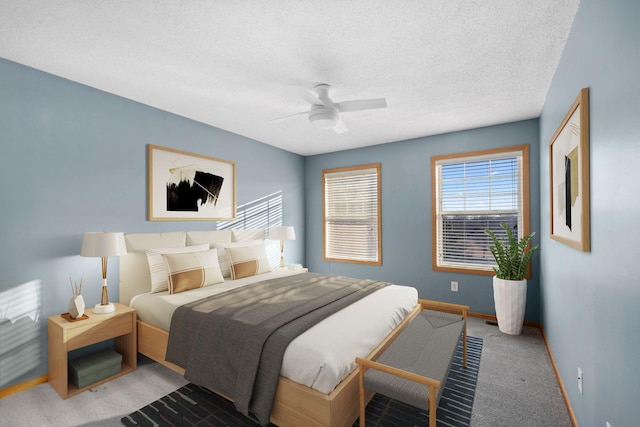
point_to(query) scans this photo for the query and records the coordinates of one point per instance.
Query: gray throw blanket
(233, 343)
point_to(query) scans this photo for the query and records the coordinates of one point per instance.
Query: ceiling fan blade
(362, 104)
(340, 127)
(289, 116)
(308, 95)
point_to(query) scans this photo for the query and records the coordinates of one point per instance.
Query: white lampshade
(103, 244)
(282, 233)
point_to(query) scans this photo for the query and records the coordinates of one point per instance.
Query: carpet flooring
(194, 405)
(516, 386)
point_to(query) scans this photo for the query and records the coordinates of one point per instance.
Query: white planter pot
(510, 297)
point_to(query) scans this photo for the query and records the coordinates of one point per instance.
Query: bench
(415, 365)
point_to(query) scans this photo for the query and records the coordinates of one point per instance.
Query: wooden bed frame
(294, 404)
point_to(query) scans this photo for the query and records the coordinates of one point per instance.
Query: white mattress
(325, 354)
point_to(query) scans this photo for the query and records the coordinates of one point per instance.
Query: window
(351, 214)
(472, 192)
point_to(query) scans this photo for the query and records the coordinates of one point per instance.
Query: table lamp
(103, 244)
(282, 234)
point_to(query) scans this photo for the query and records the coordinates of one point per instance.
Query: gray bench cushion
(425, 347)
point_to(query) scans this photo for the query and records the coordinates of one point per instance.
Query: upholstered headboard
(134, 269)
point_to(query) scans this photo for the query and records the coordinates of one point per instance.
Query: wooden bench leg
(362, 369)
(432, 407)
(464, 346)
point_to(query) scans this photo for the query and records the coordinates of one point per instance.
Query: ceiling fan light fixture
(325, 114)
(323, 118)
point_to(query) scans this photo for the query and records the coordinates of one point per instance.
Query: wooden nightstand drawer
(96, 332)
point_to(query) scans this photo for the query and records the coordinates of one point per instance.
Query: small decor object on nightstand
(76, 305)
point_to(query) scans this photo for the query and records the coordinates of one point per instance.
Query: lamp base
(104, 309)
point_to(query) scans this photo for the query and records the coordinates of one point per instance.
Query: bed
(322, 395)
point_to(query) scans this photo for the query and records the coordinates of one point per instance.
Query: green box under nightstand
(94, 367)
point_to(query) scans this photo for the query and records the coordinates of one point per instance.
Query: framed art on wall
(184, 186)
(569, 177)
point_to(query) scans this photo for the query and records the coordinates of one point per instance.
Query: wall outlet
(454, 286)
(580, 380)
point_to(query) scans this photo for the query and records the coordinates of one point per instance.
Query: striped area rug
(194, 405)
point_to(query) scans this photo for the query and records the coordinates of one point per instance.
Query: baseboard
(25, 385)
(489, 317)
(563, 390)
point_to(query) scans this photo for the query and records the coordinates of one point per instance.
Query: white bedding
(325, 354)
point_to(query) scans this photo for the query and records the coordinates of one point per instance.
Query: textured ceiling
(442, 65)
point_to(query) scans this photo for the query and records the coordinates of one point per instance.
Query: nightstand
(65, 336)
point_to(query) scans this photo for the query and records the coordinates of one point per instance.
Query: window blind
(351, 210)
(472, 194)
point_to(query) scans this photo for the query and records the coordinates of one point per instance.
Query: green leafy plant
(511, 255)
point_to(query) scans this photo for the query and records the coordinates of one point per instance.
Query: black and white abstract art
(569, 167)
(189, 187)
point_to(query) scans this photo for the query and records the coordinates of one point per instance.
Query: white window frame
(351, 215)
(473, 255)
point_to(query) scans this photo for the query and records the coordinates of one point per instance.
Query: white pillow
(192, 270)
(247, 261)
(158, 268)
(222, 256)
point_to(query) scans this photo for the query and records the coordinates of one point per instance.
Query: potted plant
(509, 284)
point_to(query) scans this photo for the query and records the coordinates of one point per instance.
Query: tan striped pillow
(193, 270)
(158, 267)
(222, 255)
(247, 261)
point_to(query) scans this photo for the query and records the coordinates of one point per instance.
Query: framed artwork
(189, 187)
(569, 180)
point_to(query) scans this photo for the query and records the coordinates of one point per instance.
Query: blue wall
(74, 160)
(590, 300)
(406, 212)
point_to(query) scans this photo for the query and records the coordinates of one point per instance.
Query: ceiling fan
(325, 114)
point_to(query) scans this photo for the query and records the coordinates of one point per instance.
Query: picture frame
(184, 186)
(569, 177)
